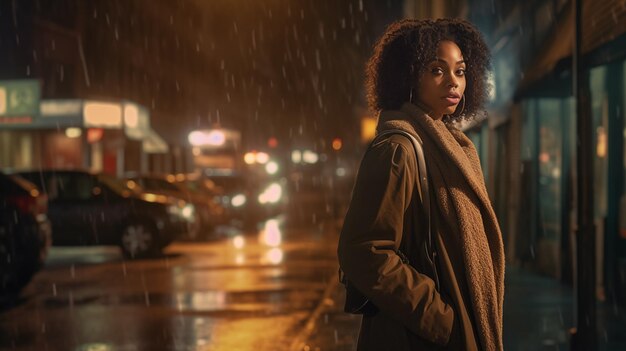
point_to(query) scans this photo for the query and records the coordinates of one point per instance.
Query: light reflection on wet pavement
(250, 291)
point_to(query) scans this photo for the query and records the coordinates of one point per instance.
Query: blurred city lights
(73, 132)
(249, 158)
(239, 241)
(198, 138)
(274, 256)
(310, 157)
(94, 135)
(262, 158)
(216, 138)
(102, 114)
(296, 156)
(337, 144)
(203, 138)
(240, 259)
(271, 234)
(131, 115)
(238, 200)
(271, 167)
(272, 194)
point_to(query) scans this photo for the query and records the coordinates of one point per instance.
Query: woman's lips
(452, 100)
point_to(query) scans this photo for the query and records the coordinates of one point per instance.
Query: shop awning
(602, 23)
(557, 46)
(154, 144)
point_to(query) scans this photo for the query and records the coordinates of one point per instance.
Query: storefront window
(599, 115)
(526, 241)
(550, 166)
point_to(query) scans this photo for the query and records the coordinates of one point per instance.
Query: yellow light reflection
(240, 259)
(94, 347)
(271, 234)
(274, 256)
(239, 241)
(150, 197)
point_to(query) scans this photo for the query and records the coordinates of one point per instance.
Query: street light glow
(271, 167)
(249, 158)
(73, 133)
(310, 157)
(262, 158)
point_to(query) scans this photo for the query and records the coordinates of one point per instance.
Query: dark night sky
(294, 69)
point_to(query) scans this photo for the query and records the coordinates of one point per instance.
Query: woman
(424, 77)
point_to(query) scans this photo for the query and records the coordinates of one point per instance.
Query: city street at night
(249, 291)
(322, 175)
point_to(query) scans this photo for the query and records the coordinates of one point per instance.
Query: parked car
(97, 209)
(208, 212)
(24, 233)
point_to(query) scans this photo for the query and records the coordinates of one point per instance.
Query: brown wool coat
(384, 215)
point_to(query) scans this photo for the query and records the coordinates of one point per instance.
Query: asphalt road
(255, 290)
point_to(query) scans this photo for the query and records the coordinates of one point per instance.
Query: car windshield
(155, 184)
(230, 183)
(205, 186)
(120, 185)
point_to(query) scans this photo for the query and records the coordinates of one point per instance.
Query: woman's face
(442, 84)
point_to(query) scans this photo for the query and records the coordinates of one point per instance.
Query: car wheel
(139, 239)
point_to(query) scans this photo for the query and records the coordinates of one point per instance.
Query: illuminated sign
(19, 97)
(102, 114)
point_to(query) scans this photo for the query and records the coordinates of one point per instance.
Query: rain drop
(317, 60)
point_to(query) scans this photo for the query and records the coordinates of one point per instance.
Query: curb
(299, 342)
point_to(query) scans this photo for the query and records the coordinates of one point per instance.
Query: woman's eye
(460, 72)
(436, 71)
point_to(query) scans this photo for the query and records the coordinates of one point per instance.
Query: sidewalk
(538, 313)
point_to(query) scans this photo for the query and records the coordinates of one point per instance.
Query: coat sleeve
(372, 233)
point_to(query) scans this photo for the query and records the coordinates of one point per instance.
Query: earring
(411, 95)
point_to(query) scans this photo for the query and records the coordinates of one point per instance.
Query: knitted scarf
(459, 187)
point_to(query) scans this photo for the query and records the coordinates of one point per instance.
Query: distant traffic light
(337, 143)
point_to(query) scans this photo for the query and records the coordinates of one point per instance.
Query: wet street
(252, 290)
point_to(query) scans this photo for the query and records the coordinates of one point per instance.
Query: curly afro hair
(405, 49)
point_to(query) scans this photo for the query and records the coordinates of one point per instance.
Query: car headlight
(186, 211)
(271, 194)
(238, 200)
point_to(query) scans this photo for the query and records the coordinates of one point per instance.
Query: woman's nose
(452, 82)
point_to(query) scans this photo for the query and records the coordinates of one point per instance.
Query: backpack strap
(423, 189)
